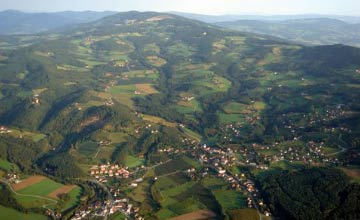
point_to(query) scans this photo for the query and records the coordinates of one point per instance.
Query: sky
(211, 7)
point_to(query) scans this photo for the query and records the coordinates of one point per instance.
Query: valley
(144, 115)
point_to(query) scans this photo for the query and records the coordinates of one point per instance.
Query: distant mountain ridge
(17, 22)
(223, 18)
(311, 31)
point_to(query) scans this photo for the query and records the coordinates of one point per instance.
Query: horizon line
(193, 13)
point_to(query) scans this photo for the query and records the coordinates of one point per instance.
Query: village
(216, 161)
(4, 130)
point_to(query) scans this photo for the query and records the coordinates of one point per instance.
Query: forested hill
(133, 84)
(16, 22)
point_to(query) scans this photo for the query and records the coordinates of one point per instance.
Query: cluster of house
(77, 106)
(4, 130)
(107, 208)
(147, 127)
(36, 99)
(104, 142)
(219, 160)
(187, 98)
(189, 141)
(13, 178)
(217, 156)
(312, 152)
(110, 102)
(231, 130)
(101, 172)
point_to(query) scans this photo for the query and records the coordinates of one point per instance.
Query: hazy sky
(339, 7)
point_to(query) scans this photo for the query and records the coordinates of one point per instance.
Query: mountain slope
(151, 87)
(318, 31)
(234, 17)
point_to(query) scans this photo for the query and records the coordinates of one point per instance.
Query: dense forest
(312, 193)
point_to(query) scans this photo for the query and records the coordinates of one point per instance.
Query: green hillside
(143, 90)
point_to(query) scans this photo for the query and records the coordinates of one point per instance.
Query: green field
(88, 148)
(74, 198)
(118, 216)
(36, 137)
(230, 199)
(5, 165)
(192, 134)
(42, 188)
(212, 182)
(12, 214)
(175, 165)
(120, 89)
(32, 202)
(244, 214)
(132, 161)
(234, 108)
(181, 49)
(231, 118)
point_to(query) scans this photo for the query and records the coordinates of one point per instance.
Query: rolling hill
(311, 31)
(130, 87)
(16, 22)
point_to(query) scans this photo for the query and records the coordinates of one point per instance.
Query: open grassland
(181, 50)
(37, 191)
(132, 161)
(185, 198)
(5, 165)
(156, 61)
(105, 152)
(244, 214)
(27, 182)
(145, 88)
(74, 194)
(12, 214)
(33, 202)
(152, 48)
(175, 165)
(36, 137)
(231, 118)
(353, 172)
(88, 148)
(121, 89)
(192, 134)
(42, 188)
(62, 190)
(157, 120)
(118, 216)
(230, 199)
(235, 108)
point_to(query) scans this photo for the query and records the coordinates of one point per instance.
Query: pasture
(244, 214)
(36, 191)
(230, 199)
(5, 165)
(33, 136)
(157, 120)
(42, 188)
(132, 161)
(9, 213)
(198, 215)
